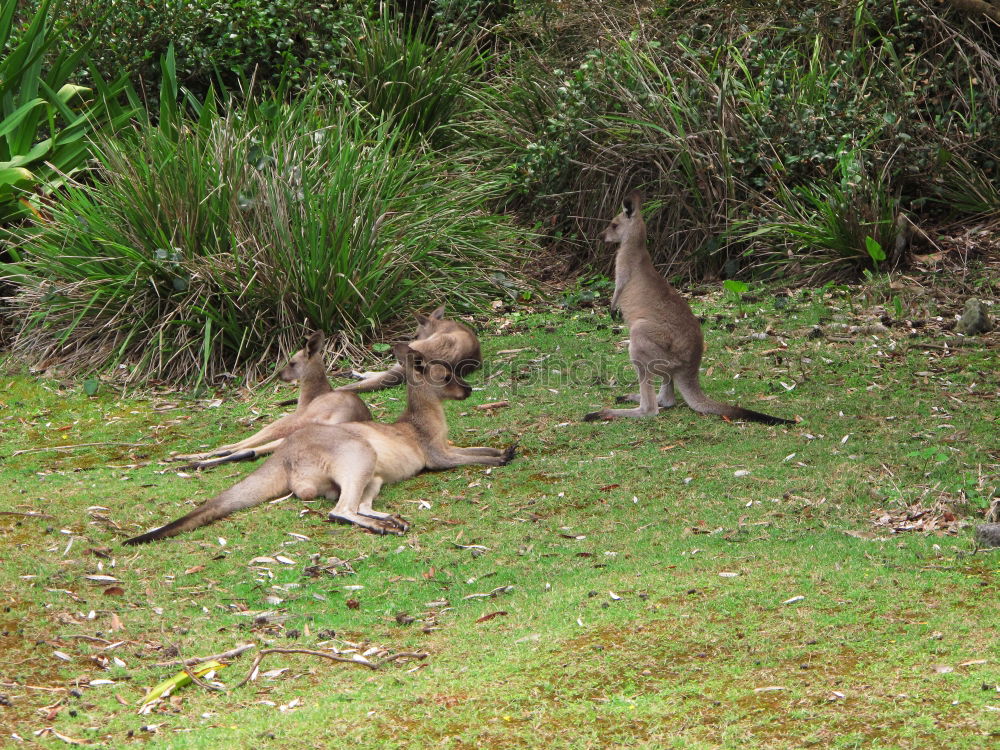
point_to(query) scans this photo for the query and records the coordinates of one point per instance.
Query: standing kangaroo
(437, 340)
(318, 403)
(665, 337)
(352, 461)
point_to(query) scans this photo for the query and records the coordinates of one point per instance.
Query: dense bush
(210, 245)
(215, 41)
(45, 116)
(735, 116)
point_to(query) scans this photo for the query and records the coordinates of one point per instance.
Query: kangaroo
(351, 462)
(318, 403)
(436, 339)
(665, 338)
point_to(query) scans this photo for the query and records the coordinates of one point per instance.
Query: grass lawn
(671, 582)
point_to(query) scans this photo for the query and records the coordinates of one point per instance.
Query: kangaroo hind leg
(354, 471)
(647, 398)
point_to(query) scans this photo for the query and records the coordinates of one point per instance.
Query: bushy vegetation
(796, 140)
(216, 41)
(45, 115)
(737, 115)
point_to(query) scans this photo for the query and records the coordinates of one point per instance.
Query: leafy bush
(208, 247)
(215, 40)
(731, 115)
(44, 118)
(829, 227)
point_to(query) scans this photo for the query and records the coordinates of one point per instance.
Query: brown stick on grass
(372, 665)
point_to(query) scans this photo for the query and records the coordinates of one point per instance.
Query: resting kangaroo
(318, 403)
(665, 338)
(354, 460)
(437, 340)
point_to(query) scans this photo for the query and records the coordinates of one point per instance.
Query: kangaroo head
(429, 324)
(628, 225)
(296, 367)
(431, 375)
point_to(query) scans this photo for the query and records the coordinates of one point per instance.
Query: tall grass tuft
(405, 69)
(208, 246)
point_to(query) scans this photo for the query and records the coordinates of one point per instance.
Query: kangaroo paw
(509, 453)
(401, 522)
(375, 525)
(596, 416)
(632, 398)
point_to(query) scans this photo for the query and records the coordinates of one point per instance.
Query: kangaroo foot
(596, 416)
(375, 525)
(390, 518)
(192, 457)
(401, 522)
(509, 453)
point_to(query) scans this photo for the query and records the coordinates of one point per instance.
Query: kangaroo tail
(269, 481)
(388, 379)
(690, 389)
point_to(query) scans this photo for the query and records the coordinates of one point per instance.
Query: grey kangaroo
(437, 340)
(351, 462)
(665, 338)
(318, 403)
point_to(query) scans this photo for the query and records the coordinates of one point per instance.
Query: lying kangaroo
(354, 460)
(318, 403)
(437, 340)
(665, 338)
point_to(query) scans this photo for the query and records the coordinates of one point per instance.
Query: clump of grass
(207, 246)
(404, 69)
(827, 228)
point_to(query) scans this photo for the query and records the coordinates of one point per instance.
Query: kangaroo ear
(314, 344)
(438, 314)
(632, 203)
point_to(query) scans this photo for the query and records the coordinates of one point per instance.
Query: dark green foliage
(404, 70)
(215, 40)
(45, 116)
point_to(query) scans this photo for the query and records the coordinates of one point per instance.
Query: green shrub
(402, 69)
(211, 246)
(216, 41)
(44, 117)
(828, 228)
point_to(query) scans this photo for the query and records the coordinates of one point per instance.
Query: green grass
(650, 510)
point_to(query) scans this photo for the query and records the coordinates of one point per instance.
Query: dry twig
(230, 654)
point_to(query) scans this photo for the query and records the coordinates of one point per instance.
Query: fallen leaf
(491, 615)
(114, 591)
